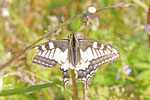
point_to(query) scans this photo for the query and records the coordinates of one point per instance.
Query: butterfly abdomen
(74, 52)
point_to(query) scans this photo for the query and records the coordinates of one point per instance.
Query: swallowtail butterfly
(82, 55)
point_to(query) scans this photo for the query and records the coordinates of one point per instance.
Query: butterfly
(82, 55)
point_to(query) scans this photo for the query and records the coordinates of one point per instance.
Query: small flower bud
(91, 9)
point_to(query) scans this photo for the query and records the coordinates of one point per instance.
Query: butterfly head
(73, 38)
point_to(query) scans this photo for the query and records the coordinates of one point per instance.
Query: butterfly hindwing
(94, 54)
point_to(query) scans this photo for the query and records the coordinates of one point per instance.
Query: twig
(120, 5)
(74, 85)
(86, 32)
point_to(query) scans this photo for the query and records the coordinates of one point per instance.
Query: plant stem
(83, 90)
(75, 91)
(85, 32)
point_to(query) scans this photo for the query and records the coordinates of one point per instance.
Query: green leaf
(142, 65)
(144, 75)
(27, 89)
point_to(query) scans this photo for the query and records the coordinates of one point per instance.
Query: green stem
(85, 31)
(83, 90)
(75, 91)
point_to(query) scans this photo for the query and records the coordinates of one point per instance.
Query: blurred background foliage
(24, 21)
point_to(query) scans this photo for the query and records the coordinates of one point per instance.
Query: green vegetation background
(27, 21)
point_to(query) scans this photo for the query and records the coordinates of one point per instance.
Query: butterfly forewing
(49, 53)
(53, 52)
(94, 54)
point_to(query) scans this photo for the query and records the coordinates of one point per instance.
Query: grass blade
(27, 89)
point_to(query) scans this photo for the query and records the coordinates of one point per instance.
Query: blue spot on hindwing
(88, 71)
(84, 74)
(91, 67)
